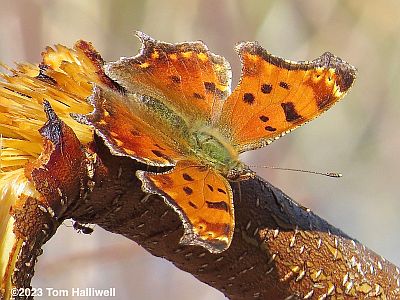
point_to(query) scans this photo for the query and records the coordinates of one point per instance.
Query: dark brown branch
(279, 251)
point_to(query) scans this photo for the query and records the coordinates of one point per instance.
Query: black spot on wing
(221, 191)
(269, 128)
(248, 98)
(209, 86)
(284, 85)
(264, 118)
(221, 205)
(193, 205)
(187, 177)
(290, 111)
(266, 88)
(187, 190)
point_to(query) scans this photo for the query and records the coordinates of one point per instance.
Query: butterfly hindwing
(202, 198)
(275, 96)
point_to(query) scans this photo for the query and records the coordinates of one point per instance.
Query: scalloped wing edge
(189, 236)
(327, 60)
(147, 43)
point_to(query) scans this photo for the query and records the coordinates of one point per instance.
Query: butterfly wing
(275, 96)
(202, 198)
(187, 77)
(117, 119)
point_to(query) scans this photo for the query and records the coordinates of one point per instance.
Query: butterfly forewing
(187, 76)
(275, 96)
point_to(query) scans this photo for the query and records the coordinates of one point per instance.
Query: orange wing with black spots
(187, 76)
(116, 120)
(202, 198)
(275, 96)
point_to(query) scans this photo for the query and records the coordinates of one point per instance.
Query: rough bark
(280, 250)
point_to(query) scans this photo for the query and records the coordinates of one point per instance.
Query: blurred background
(359, 137)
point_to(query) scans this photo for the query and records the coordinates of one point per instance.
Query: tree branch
(279, 250)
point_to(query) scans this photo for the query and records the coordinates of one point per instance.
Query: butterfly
(175, 109)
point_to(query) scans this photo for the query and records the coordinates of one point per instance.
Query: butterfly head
(240, 172)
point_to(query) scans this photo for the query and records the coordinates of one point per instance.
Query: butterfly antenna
(328, 174)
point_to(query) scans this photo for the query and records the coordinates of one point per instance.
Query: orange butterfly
(176, 109)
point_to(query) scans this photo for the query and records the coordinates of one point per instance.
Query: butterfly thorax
(215, 150)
